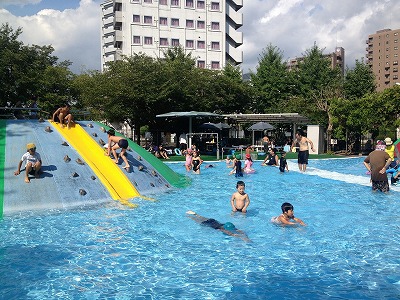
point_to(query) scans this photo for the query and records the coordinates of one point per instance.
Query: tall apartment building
(205, 28)
(336, 58)
(383, 57)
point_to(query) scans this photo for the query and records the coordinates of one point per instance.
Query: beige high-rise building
(383, 57)
(208, 29)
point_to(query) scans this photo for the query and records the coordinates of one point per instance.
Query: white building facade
(208, 29)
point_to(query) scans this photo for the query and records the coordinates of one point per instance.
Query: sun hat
(388, 141)
(30, 146)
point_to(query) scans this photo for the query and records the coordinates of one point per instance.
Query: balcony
(118, 39)
(237, 4)
(117, 5)
(235, 36)
(117, 17)
(235, 17)
(234, 53)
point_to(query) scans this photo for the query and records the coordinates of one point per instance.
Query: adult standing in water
(376, 163)
(304, 143)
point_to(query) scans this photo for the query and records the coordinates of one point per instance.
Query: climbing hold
(64, 143)
(90, 125)
(129, 149)
(41, 120)
(75, 174)
(101, 142)
(48, 129)
(167, 185)
(152, 184)
(135, 183)
(82, 192)
(93, 177)
(154, 173)
(66, 158)
(139, 157)
(140, 168)
(94, 134)
(103, 129)
(79, 161)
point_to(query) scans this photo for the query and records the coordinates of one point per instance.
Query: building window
(201, 64)
(148, 1)
(396, 48)
(189, 3)
(395, 55)
(215, 45)
(201, 4)
(395, 41)
(189, 24)
(215, 25)
(215, 65)
(148, 40)
(174, 2)
(136, 39)
(201, 44)
(163, 2)
(201, 24)
(396, 33)
(190, 44)
(136, 19)
(174, 22)
(215, 5)
(395, 76)
(147, 19)
(163, 42)
(163, 21)
(395, 69)
(395, 63)
(175, 42)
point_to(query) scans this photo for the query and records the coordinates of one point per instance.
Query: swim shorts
(122, 143)
(382, 186)
(303, 157)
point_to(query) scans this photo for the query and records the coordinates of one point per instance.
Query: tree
(272, 81)
(359, 81)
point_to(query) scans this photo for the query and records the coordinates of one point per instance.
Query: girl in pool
(196, 162)
(287, 217)
(188, 161)
(248, 165)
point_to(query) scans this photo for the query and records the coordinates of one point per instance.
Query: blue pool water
(349, 250)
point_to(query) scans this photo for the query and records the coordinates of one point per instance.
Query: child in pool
(196, 162)
(237, 168)
(248, 163)
(287, 217)
(240, 200)
(283, 163)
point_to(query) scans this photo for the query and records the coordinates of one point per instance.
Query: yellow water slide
(111, 176)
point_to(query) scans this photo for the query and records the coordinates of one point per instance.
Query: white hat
(388, 141)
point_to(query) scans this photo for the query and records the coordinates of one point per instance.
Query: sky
(72, 27)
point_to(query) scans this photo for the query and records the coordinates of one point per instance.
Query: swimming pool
(348, 250)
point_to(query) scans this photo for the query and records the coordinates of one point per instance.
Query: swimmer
(237, 168)
(287, 217)
(196, 162)
(227, 228)
(240, 200)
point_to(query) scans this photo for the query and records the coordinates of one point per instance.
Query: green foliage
(359, 81)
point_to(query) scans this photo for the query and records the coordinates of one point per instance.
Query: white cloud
(74, 33)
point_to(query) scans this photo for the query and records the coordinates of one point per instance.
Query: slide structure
(105, 168)
(75, 170)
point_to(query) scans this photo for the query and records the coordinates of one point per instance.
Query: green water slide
(172, 177)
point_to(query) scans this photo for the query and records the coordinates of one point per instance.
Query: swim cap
(229, 226)
(30, 146)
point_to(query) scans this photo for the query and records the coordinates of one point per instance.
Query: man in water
(303, 142)
(376, 163)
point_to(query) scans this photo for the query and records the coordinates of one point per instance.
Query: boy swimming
(287, 217)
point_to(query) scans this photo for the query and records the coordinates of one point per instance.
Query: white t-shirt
(32, 158)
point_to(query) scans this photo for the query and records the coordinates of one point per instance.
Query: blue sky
(72, 27)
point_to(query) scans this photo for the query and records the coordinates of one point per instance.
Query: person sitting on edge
(272, 159)
(227, 228)
(114, 143)
(63, 115)
(240, 200)
(33, 162)
(395, 173)
(162, 152)
(237, 168)
(287, 217)
(283, 163)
